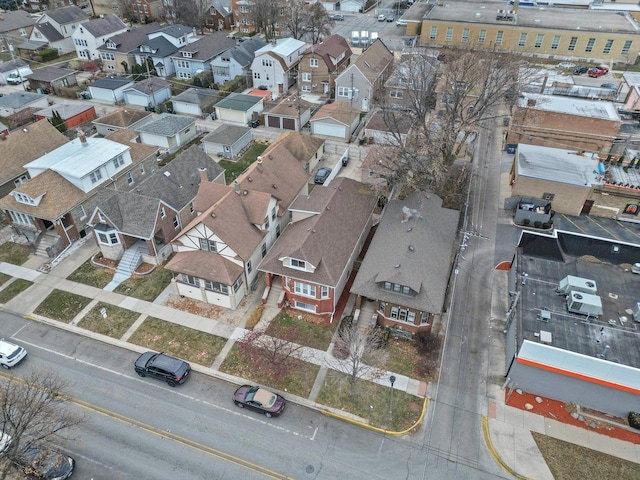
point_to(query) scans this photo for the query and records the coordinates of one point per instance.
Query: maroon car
(258, 399)
(598, 71)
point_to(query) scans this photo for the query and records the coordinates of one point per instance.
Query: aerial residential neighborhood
(403, 236)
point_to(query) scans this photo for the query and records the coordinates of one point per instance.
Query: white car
(14, 79)
(382, 18)
(10, 354)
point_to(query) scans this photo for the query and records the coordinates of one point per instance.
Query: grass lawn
(189, 344)
(403, 357)
(371, 401)
(233, 169)
(308, 334)
(568, 461)
(14, 253)
(146, 287)
(300, 382)
(16, 287)
(4, 278)
(91, 275)
(63, 306)
(117, 323)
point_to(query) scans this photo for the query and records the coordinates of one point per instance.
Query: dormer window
(118, 161)
(187, 54)
(397, 288)
(298, 264)
(111, 45)
(95, 176)
(23, 198)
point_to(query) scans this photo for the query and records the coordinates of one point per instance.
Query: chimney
(236, 186)
(203, 175)
(259, 163)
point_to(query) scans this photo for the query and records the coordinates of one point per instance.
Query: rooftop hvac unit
(576, 284)
(584, 304)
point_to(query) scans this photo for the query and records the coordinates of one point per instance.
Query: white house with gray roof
(273, 64)
(149, 92)
(18, 101)
(196, 101)
(235, 61)
(55, 27)
(110, 89)
(407, 266)
(168, 131)
(227, 140)
(196, 57)
(94, 33)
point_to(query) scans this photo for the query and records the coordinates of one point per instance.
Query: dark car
(172, 370)
(40, 462)
(390, 18)
(337, 16)
(254, 123)
(322, 175)
(258, 399)
(598, 71)
(609, 86)
(580, 69)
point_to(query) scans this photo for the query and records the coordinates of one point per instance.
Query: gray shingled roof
(176, 31)
(160, 45)
(239, 102)
(104, 26)
(149, 85)
(199, 96)
(50, 74)
(207, 47)
(244, 52)
(49, 32)
(14, 20)
(19, 99)
(67, 14)
(131, 40)
(135, 213)
(413, 250)
(12, 65)
(111, 83)
(167, 125)
(226, 134)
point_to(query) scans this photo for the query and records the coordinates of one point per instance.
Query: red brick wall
(324, 306)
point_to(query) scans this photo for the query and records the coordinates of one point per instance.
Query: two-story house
(16, 25)
(235, 61)
(407, 266)
(358, 83)
(313, 258)
(322, 63)
(117, 52)
(275, 65)
(220, 15)
(196, 57)
(412, 78)
(55, 27)
(217, 254)
(60, 194)
(94, 33)
(161, 45)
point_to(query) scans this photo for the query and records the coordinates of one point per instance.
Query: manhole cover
(310, 469)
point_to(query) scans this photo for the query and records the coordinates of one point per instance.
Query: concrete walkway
(508, 430)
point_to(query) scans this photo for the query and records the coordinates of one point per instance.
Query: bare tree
(193, 13)
(297, 18)
(319, 24)
(272, 355)
(265, 15)
(125, 9)
(352, 345)
(34, 411)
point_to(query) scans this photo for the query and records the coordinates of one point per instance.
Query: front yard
(146, 287)
(116, 323)
(14, 253)
(63, 306)
(91, 275)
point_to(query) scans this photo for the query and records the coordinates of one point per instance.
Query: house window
(298, 264)
(80, 213)
(21, 218)
(396, 93)
(523, 40)
(208, 245)
(465, 35)
(539, 40)
(267, 62)
(306, 77)
(499, 37)
(163, 213)
(189, 280)
(306, 88)
(95, 176)
(22, 198)
(572, 44)
(129, 178)
(555, 42)
(20, 180)
(263, 250)
(256, 75)
(305, 289)
(449, 35)
(305, 306)
(142, 169)
(237, 284)
(313, 62)
(186, 75)
(482, 37)
(607, 46)
(216, 287)
(626, 47)
(277, 230)
(324, 292)
(176, 222)
(590, 43)
(249, 267)
(108, 238)
(394, 313)
(433, 34)
(183, 64)
(273, 213)
(424, 318)
(411, 317)
(191, 210)
(107, 57)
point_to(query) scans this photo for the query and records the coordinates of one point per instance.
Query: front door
(325, 88)
(586, 208)
(365, 104)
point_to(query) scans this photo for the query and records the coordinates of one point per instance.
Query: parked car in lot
(382, 18)
(337, 16)
(10, 354)
(390, 18)
(41, 462)
(172, 370)
(14, 79)
(598, 71)
(609, 86)
(322, 175)
(580, 69)
(268, 403)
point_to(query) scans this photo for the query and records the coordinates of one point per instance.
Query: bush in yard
(49, 54)
(426, 342)
(526, 221)
(537, 224)
(634, 420)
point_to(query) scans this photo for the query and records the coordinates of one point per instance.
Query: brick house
(322, 63)
(117, 52)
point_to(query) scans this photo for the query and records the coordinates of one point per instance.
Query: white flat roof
(571, 106)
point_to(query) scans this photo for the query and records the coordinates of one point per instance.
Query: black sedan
(172, 370)
(322, 175)
(258, 399)
(41, 462)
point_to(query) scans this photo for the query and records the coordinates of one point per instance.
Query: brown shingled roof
(138, 151)
(23, 146)
(301, 146)
(288, 106)
(332, 46)
(122, 118)
(205, 265)
(374, 60)
(340, 111)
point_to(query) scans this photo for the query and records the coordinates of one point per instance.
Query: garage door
(288, 124)
(329, 130)
(274, 121)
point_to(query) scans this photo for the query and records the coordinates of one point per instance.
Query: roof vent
(411, 248)
(275, 186)
(250, 179)
(397, 265)
(213, 215)
(166, 174)
(245, 192)
(269, 157)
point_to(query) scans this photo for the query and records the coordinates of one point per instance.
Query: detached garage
(110, 89)
(238, 108)
(337, 120)
(148, 93)
(284, 113)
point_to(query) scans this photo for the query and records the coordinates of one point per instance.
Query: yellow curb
(495, 454)
(381, 430)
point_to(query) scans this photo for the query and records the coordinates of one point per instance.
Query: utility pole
(153, 93)
(13, 59)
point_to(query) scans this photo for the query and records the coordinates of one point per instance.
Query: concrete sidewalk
(508, 430)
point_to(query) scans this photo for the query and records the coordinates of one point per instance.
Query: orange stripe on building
(579, 376)
(503, 266)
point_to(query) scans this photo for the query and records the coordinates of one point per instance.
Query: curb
(494, 453)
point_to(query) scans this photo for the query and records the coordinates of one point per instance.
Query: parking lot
(599, 227)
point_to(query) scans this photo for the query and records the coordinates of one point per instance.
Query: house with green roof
(239, 108)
